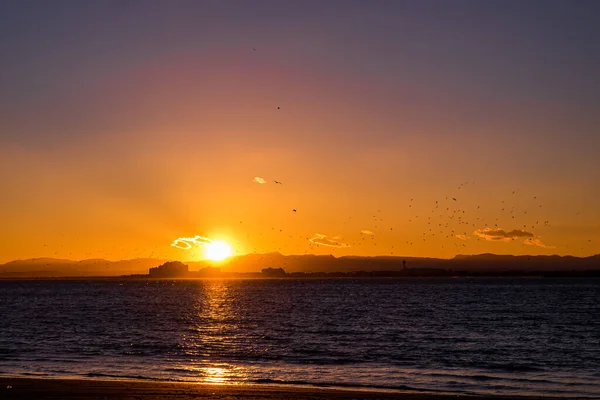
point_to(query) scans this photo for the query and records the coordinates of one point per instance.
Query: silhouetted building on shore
(171, 269)
(208, 272)
(273, 272)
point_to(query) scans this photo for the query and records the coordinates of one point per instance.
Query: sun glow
(217, 250)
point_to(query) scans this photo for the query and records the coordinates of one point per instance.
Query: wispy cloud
(367, 232)
(537, 242)
(259, 180)
(462, 237)
(502, 235)
(324, 240)
(186, 243)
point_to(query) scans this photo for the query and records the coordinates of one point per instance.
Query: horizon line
(297, 255)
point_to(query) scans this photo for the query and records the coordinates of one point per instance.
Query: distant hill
(481, 263)
(526, 263)
(51, 268)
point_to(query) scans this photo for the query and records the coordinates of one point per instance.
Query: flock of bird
(446, 224)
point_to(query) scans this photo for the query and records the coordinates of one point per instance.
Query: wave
(132, 377)
(514, 367)
(450, 383)
(268, 381)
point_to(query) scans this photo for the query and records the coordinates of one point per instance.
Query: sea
(499, 336)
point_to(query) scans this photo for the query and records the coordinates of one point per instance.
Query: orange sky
(136, 205)
(114, 146)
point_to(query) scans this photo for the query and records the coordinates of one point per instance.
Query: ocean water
(487, 336)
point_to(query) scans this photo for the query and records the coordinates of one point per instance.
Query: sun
(217, 250)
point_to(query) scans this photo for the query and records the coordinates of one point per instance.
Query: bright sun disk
(217, 250)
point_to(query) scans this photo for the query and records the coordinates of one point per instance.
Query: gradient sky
(125, 125)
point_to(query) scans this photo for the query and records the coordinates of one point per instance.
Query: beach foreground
(22, 388)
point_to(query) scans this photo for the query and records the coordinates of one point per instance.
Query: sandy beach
(20, 388)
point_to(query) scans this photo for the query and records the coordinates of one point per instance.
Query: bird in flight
(278, 183)
(294, 210)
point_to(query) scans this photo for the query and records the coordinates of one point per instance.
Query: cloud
(259, 180)
(367, 232)
(537, 242)
(184, 243)
(502, 235)
(462, 237)
(323, 240)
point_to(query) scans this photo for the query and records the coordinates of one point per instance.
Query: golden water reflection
(215, 375)
(213, 334)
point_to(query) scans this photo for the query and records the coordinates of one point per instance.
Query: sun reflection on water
(215, 375)
(213, 332)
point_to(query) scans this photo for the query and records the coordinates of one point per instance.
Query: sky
(127, 125)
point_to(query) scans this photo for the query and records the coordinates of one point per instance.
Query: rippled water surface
(506, 336)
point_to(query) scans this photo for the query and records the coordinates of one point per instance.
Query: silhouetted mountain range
(52, 267)
(477, 264)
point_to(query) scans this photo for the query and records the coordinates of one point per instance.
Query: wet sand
(22, 388)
